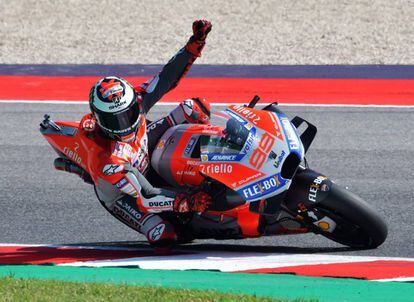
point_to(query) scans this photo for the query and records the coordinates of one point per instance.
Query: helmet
(113, 102)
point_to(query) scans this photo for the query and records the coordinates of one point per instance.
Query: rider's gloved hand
(196, 110)
(197, 202)
(196, 43)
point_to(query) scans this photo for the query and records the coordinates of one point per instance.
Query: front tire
(358, 224)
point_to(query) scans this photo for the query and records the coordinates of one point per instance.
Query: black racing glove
(196, 43)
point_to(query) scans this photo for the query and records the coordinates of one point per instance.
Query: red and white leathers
(118, 167)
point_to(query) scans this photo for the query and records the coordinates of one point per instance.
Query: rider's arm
(176, 68)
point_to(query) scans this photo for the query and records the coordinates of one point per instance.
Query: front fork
(308, 189)
(297, 210)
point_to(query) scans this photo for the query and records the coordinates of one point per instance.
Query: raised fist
(201, 28)
(196, 43)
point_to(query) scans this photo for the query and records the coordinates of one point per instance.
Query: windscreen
(231, 141)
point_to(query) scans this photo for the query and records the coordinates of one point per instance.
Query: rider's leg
(194, 110)
(159, 232)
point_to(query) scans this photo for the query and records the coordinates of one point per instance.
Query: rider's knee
(194, 111)
(159, 232)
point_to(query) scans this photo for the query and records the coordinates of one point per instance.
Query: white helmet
(113, 102)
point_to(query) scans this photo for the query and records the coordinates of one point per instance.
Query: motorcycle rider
(117, 124)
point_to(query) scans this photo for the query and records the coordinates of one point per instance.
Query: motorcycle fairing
(65, 140)
(269, 129)
(263, 187)
(186, 154)
(258, 118)
(72, 144)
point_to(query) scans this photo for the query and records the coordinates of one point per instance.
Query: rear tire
(358, 224)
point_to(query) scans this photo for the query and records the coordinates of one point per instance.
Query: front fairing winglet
(308, 135)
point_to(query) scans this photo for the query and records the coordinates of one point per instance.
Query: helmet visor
(121, 123)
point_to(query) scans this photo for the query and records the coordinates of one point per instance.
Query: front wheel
(357, 223)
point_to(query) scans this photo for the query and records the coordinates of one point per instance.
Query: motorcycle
(252, 162)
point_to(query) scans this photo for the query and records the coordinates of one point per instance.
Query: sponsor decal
(246, 180)
(117, 103)
(120, 132)
(141, 159)
(122, 150)
(249, 142)
(263, 187)
(315, 187)
(187, 172)
(217, 169)
(138, 159)
(127, 218)
(326, 224)
(156, 232)
(122, 183)
(192, 163)
(72, 154)
(247, 113)
(166, 203)
(290, 134)
(88, 125)
(279, 159)
(223, 157)
(323, 225)
(190, 146)
(236, 117)
(112, 169)
(161, 144)
(130, 210)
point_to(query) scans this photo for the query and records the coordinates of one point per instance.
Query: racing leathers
(118, 168)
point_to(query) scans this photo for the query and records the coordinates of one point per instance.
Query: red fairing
(103, 158)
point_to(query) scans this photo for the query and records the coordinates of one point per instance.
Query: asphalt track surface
(370, 150)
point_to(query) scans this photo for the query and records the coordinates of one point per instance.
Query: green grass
(15, 289)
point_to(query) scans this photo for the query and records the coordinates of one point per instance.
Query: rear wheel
(358, 224)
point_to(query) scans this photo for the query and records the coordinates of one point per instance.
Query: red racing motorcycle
(252, 162)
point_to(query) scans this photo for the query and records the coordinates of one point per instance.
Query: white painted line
(402, 279)
(213, 104)
(84, 247)
(229, 261)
